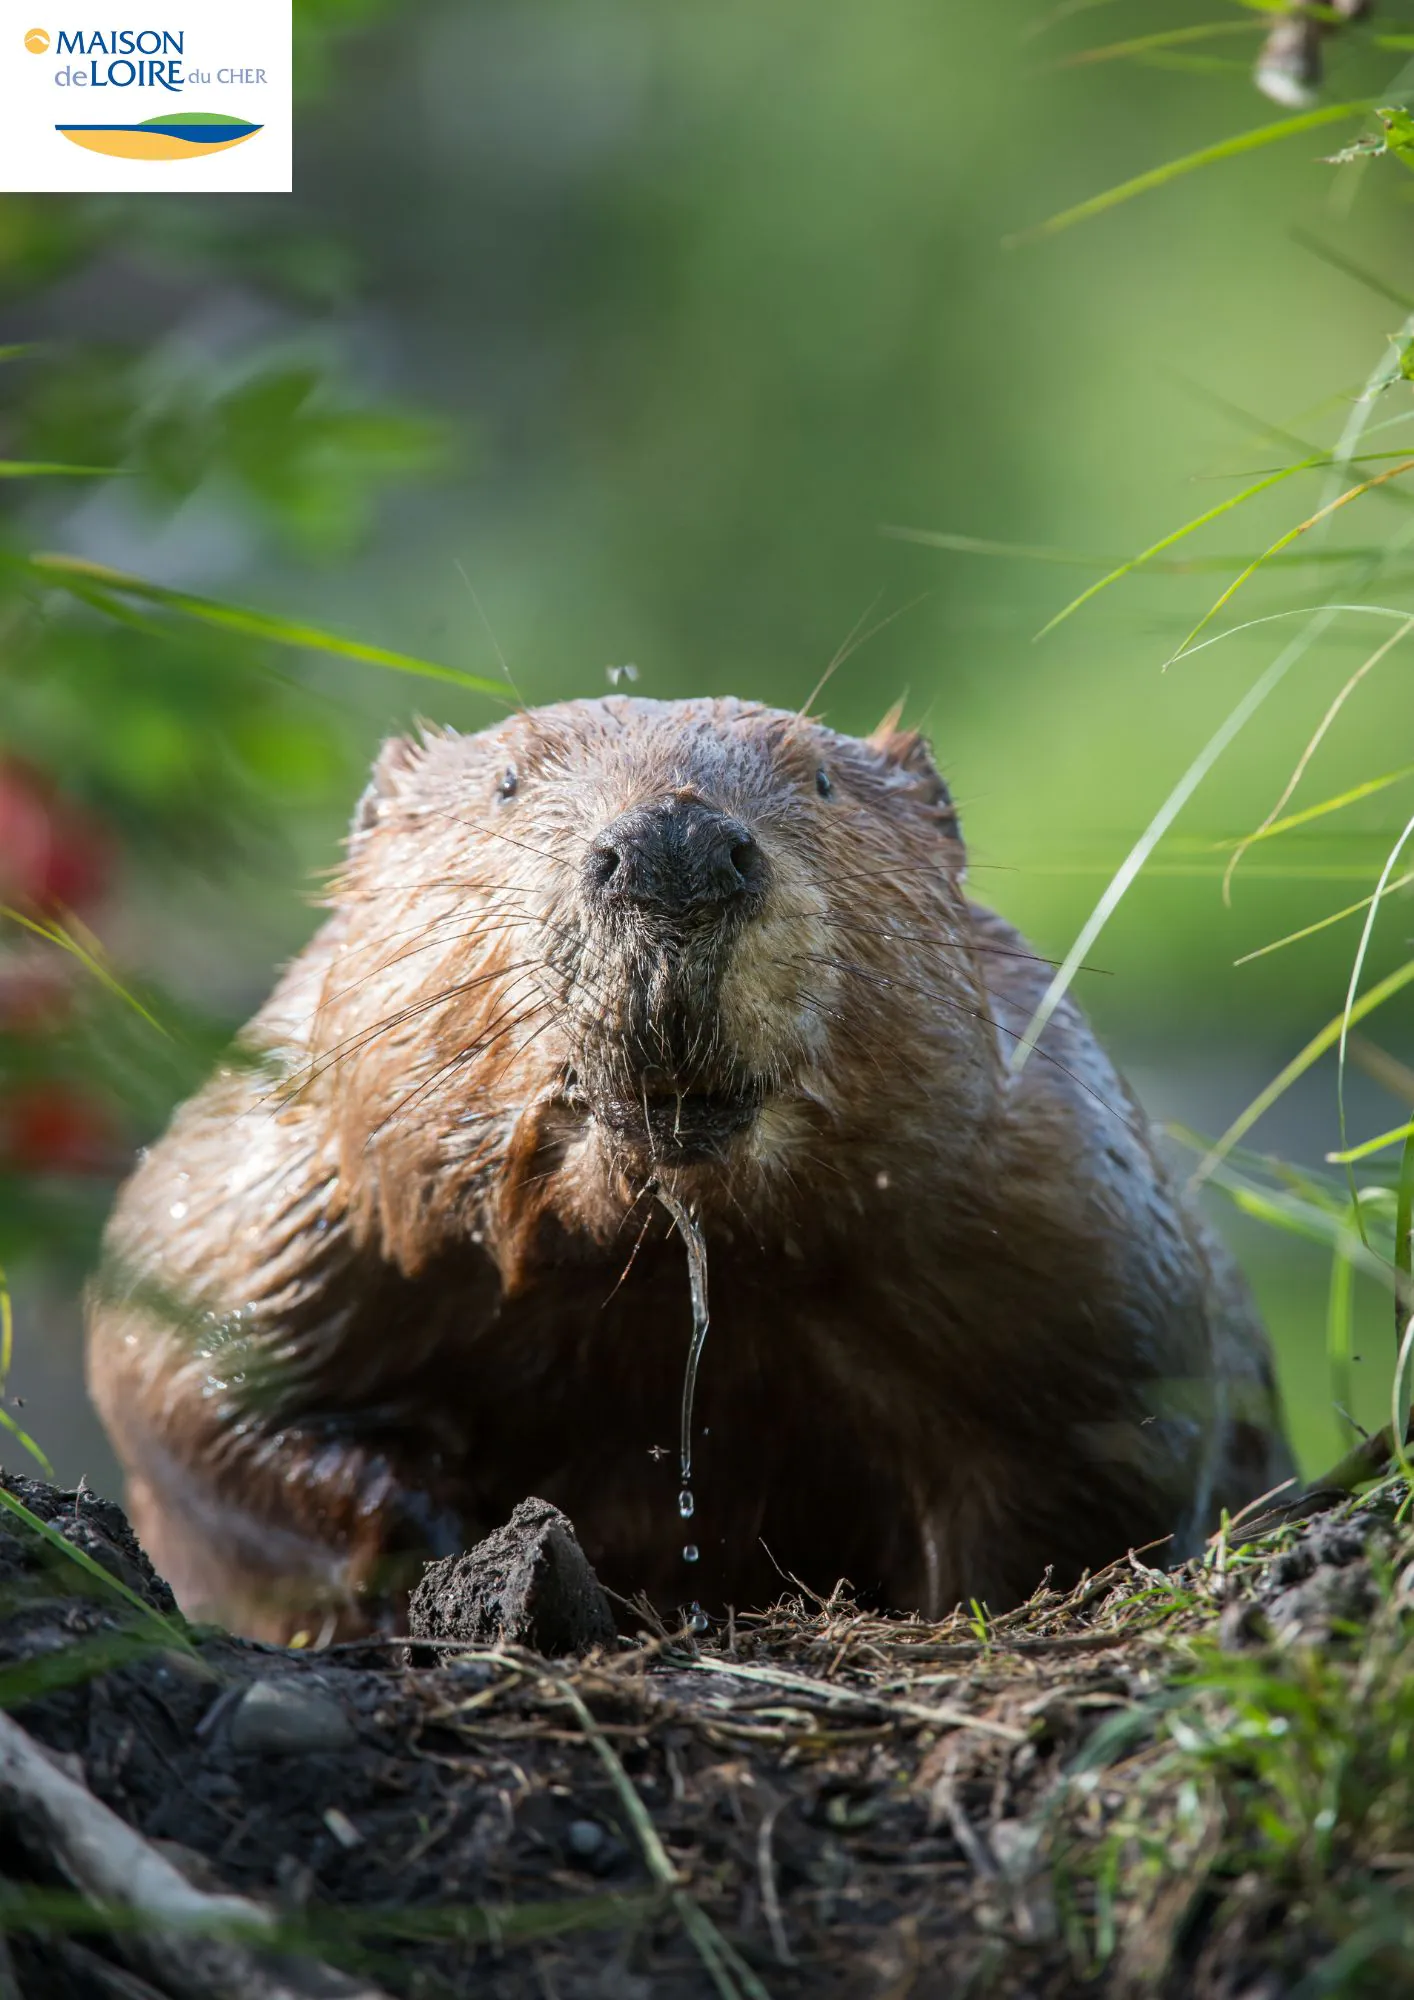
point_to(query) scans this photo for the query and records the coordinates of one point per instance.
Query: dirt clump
(528, 1582)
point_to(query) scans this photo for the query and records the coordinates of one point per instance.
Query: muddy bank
(808, 1801)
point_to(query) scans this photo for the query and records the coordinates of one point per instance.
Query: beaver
(410, 1254)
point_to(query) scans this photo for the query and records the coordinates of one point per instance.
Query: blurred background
(634, 334)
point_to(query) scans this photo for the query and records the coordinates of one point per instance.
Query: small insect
(625, 673)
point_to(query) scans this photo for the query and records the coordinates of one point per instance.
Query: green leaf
(96, 583)
(1399, 132)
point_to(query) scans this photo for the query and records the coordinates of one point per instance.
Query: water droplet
(177, 1210)
(690, 1552)
(686, 1503)
(697, 1619)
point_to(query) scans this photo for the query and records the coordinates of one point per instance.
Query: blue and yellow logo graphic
(183, 135)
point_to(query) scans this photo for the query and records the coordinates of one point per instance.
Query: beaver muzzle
(668, 886)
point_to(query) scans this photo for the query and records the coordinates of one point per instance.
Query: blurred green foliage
(655, 324)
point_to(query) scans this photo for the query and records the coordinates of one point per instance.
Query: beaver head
(614, 943)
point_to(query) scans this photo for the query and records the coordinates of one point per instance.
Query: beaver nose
(674, 858)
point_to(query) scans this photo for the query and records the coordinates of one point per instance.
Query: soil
(856, 1805)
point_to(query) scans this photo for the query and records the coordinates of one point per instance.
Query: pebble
(282, 1719)
(584, 1838)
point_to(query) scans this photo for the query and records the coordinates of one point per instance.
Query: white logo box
(182, 99)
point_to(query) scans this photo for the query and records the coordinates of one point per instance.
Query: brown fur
(400, 1264)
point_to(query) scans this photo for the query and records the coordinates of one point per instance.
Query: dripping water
(694, 1243)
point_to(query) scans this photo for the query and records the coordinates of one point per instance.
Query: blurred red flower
(53, 854)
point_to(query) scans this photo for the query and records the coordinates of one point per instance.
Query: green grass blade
(95, 581)
(1369, 1146)
(172, 1635)
(981, 545)
(89, 955)
(1332, 254)
(1206, 156)
(1321, 515)
(1403, 1301)
(1139, 853)
(22, 1437)
(1322, 923)
(29, 1680)
(20, 468)
(1164, 38)
(1366, 667)
(1356, 969)
(1327, 1038)
(1317, 622)
(1357, 792)
(1296, 611)
(1340, 1344)
(1167, 541)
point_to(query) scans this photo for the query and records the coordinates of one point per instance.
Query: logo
(182, 135)
(36, 41)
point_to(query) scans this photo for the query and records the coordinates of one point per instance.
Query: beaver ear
(399, 753)
(910, 754)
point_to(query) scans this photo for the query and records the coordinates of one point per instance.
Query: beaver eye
(508, 783)
(822, 783)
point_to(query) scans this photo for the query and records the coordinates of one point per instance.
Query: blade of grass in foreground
(1340, 1328)
(7, 1349)
(1403, 1302)
(1322, 923)
(1332, 1032)
(1206, 156)
(37, 1907)
(1369, 1146)
(20, 468)
(1308, 813)
(980, 545)
(1143, 848)
(1284, 541)
(172, 1635)
(1366, 666)
(1164, 38)
(1356, 969)
(1145, 558)
(95, 582)
(88, 952)
(1318, 621)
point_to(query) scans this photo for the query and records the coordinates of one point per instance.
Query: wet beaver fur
(401, 1262)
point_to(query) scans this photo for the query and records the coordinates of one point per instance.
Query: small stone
(585, 1838)
(342, 1828)
(529, 1582)
(282, 1719)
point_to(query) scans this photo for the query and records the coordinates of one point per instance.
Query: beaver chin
(672, 1126)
